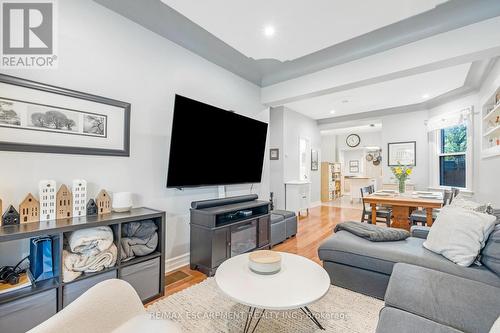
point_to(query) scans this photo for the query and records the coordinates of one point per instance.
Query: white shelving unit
(490, 126)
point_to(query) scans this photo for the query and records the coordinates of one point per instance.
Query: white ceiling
(302, 27)
(374, 127)
(388, 94)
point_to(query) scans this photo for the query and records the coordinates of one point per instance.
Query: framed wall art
(314, 160)
(354, 166)
(274, 154)
(36, 117)
(404, 153)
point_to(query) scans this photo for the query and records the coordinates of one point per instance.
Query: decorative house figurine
(10, 217)
(91, 208)
(29, 209)
(64, 202)
(47, 194)
(103, 202)
(79, 197)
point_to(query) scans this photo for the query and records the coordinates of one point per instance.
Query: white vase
(122, 202)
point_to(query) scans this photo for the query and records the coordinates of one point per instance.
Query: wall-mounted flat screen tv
(211, 146)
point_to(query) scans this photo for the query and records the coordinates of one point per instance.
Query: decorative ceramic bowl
(264, 262)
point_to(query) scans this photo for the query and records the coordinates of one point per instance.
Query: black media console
(224, 228)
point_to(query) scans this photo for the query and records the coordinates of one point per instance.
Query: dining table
(403, 204)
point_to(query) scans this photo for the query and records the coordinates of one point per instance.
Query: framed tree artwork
(404, 153)
(36, 117)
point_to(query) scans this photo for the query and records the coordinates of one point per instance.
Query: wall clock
(353, 140)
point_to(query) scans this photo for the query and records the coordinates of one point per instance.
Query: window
(453, 161)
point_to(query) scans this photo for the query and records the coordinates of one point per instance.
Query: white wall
(287, 127)
(276, 174)
(407, 126)
(368, 139)
(487, 182)
(329, 148)
(102, 53)
(298, 126)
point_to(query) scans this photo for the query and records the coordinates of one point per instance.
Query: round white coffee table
(300, 282)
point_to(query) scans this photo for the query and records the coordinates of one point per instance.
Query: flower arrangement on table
(402, 172)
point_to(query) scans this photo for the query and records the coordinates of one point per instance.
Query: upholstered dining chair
(384, 213)
(454, 192)
(420, 215)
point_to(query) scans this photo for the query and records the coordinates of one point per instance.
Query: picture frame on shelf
(404, 153)
(37, 117)
(314, 160)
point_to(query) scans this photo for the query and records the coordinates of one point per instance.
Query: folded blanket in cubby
(74, 264)
(90, 241)
(138, 239)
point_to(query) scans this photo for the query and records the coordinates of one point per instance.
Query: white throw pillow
(459, 234)
(465, 202)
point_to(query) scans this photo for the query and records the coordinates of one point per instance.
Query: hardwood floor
(312, 230)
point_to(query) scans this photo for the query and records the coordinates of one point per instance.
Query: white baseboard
(176, 262)
(315, 204)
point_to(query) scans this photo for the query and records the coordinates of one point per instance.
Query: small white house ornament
(79, 190)
(47, 194)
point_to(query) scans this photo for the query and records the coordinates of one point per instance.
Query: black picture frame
(274, 154)
(392, 144)
(35, 148)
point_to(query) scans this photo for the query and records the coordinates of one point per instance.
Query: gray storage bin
(278, 232)
(25, 313)
(291, 226)
(73, 290)
(144, 277)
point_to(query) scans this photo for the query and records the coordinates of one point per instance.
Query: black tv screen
(211, 146)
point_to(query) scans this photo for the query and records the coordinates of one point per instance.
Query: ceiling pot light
(425, 96)
(332, 112)
(269, 31)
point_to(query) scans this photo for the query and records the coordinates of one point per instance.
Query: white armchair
(111, 306)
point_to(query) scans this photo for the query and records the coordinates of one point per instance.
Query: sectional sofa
(423, 291)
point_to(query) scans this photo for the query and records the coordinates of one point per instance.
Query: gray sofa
(423, 291)
(425, 300)
(283, 226)
(352, 261)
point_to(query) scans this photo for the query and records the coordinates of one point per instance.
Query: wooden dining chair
(420, 215)
(382, 212)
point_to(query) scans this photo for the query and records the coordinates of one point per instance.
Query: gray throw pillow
(490, 257)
